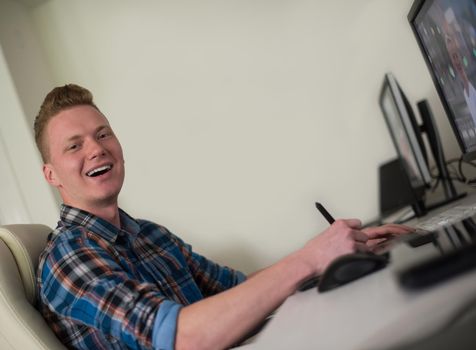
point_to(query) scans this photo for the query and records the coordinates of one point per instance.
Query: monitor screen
(405, 132)
(446, 33)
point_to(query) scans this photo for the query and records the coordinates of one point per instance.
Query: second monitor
(407, 137)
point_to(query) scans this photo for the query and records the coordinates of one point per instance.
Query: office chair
(21, 325)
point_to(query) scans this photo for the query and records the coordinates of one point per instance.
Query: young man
(109, 281)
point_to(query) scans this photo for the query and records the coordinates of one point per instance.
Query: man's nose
(95, 149)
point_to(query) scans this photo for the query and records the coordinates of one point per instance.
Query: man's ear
(50, 175)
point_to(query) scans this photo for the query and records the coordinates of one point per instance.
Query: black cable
(463, 178)
(457, 173)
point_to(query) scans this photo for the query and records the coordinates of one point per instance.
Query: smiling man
(85, 161)
(109, 281)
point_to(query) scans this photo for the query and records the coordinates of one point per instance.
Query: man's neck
(110, 214)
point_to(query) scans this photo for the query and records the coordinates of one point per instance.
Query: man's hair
(57, 100)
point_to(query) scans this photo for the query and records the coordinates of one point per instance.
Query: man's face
(85, 158)
(454, 53)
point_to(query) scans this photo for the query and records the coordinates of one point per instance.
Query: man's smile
(101, 170)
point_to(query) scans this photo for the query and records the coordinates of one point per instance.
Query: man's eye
(72, 147)
(103, 135)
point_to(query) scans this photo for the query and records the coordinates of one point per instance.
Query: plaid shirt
(101, 287)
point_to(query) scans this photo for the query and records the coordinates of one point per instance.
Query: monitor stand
(428, 127)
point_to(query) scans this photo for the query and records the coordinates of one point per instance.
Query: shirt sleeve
(165, 326)
(83, 281)
(211, 277)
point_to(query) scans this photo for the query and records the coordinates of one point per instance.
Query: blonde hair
(57, 100)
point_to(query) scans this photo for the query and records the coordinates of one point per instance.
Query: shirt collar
(71, 216)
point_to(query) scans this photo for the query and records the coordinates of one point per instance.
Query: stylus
(325, 213)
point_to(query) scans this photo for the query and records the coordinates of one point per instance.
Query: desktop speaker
(396, 191)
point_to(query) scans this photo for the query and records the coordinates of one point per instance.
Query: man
(455, 53)
(108, 281)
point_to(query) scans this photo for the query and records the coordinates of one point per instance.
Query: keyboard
(443, 246)
(447, 218)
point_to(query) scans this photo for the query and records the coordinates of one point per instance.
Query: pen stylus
(325, 213)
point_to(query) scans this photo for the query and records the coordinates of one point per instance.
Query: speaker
(396, 191)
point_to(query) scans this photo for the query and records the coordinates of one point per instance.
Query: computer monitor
(407, 139)
(446, 34)
(405, 134)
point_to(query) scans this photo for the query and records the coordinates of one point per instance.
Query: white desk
(373, 312)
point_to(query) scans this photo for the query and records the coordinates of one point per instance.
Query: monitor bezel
(411, 129)
(414, 11)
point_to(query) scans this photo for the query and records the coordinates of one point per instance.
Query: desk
(373, 312)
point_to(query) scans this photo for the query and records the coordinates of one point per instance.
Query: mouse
(349, 267)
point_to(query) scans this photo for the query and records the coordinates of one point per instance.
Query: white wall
(235, 116)
(24, 56)
(24, 78)
(25, 196)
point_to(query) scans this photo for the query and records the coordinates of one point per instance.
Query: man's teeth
(96, 171)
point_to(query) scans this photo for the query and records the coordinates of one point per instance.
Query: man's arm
(220, 321)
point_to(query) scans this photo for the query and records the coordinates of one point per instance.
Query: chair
(22, 326)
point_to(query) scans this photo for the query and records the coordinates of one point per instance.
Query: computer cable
(461, 177)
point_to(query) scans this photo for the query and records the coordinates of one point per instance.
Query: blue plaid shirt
(101, 287)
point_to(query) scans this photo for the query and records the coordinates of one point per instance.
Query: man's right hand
(342, 237)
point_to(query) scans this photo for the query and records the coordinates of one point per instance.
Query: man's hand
(342, 237)
(380, 236)
(346, 237)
